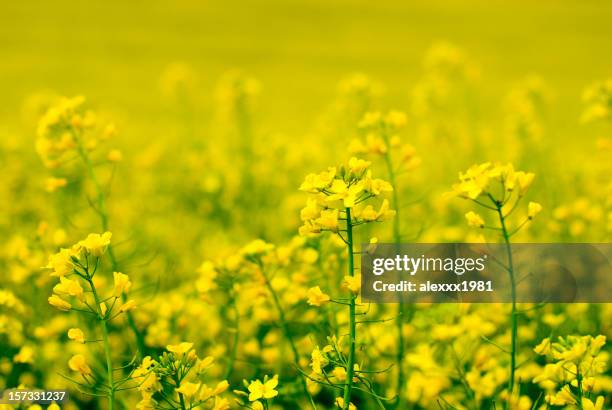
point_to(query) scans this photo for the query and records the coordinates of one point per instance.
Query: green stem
(580, 393)
(107, 351)
(397, 238)
(348, 387)
(180, 395)
(513, 316)
(103, 214)
(287, 333)
(234, 351)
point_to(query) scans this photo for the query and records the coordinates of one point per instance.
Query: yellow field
(186, 187)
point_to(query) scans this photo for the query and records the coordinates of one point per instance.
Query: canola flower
(382, 140)
(572, 377)
(69, 130)
(175, 378)
(76, 267)
(338, 197)
(500, 189)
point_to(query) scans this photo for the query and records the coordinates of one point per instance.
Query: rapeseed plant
(65, 131)
(75, 267)
(382, 140)
(500, 189)
(338, 206)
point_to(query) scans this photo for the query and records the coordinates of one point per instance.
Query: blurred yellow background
(115, 51)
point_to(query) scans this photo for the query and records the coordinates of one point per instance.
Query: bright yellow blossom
(259, 390)
(59, 303)
(316, 297)
(78, 364)
(77, 335)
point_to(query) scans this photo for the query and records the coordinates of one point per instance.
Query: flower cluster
(340, 189)
(62, 132)
(381, 136)
(496, 187)
(573, 377)
(76, 266)
(175, 378)
(598, 100)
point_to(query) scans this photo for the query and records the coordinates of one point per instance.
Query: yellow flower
(597, 343)
(309, 228)
(59, 303)
(472, 189)
(122, 283)
(25, 355)
(96, 244)
(258, 390)
(316, 297)
(256, 248)
(533, 208)
(61, 262)
(340, 404)
(589, 405)
(103, 308)
(575, 354)
(256, 405)
(474, 181)
(127, 306)
(384, 213)
(205, 364)
(314, 183)
(77, 335)
(180, 349)
(370, 119)
(52, 184)
(317, 360)
(395, 119)
(68, 287)
(367, 214)
(357, 166)
(114, 155)
(311, 210)
(543, 348)
(221, 404)
(147, 402)
(339, 373)
(328, 219)
(562, 398)
(221, 387)
(474, 219)
(205, 393)
(375, 186)
(78, 364)
(339, 190)
(524, 180)
(188, 389)
(352, 283)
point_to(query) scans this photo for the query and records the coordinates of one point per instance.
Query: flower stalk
(103, 215)
(513, 314)
(352, 321)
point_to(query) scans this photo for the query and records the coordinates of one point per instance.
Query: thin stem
(352, 323)
(107, 351)
(234, 351)
(399, 322)
(513, 317)
(180, 395)
(288, 336)
(103, 214)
